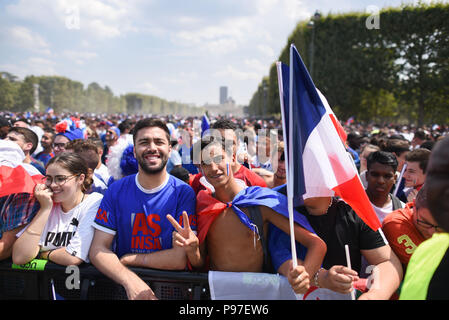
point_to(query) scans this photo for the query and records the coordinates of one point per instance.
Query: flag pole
(287, 154)
(348, 263)
(398, 183)
(290, 163)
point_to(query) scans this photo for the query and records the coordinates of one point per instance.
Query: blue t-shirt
(280, 249)
(137, 217)
(44, 157)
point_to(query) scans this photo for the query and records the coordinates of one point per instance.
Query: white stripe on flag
(323, 151)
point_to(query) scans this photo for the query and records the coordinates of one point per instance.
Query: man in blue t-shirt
(132, 217)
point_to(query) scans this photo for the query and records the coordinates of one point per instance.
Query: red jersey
(401, 233)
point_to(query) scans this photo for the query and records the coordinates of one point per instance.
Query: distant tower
(36, 97)
(223, 95)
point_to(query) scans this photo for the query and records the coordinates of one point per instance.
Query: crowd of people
(121, 191)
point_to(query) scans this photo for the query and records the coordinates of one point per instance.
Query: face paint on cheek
(227, 169)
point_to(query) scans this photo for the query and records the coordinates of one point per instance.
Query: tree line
(66, 95)
(397, 71)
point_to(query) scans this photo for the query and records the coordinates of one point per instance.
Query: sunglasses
(59, 145)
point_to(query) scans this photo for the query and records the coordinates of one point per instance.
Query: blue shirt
(137, 217)
(44, 157)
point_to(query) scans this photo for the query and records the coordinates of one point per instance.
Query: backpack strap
(256, 217)
(396, 202)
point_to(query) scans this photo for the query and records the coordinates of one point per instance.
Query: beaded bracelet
(315, 278)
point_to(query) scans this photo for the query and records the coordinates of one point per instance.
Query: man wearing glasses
(407, 228)
(427, 275)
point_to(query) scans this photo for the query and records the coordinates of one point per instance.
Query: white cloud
(150, 89)
(102, 19)
(230, 43)
(101, 29)
(80, 57)
(256, 65)
(266, 50)
(41, 66)
(31, 66)
(181, 78)
(27, 39)
(236, 74)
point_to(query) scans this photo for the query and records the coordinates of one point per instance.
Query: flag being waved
(316, 159)
(205, 124)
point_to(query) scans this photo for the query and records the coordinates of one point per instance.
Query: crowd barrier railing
(42, 280)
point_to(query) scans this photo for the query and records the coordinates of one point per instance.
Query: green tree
(25, 95)
(400, 71)
(7, 94)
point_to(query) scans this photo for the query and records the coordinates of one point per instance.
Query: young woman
(61, 231)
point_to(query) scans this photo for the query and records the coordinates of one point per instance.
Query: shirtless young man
(230, 245)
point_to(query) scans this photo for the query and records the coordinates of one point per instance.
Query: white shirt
(386, 210)
(103, 172)
(72, 229)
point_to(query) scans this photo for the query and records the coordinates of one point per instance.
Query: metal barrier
(47, 281)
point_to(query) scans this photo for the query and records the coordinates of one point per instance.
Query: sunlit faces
(59, 144)
(111, 137)
(280, 172)
(152, 149)
(425, 223)
(380, 178)
(229, 135)
(21, 124)
(20, 140)
(215, 165)
(64, 184)
(46, 140)
(413, 175)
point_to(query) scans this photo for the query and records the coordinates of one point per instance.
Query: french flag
(16, 176)
(205, 124)
(350, 121)
(317, 162)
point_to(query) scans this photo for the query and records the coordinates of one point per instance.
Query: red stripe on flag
(17, 180)
(353, 194)
(340, 130)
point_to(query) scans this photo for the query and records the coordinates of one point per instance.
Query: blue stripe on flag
(307, 110)
(205, 124)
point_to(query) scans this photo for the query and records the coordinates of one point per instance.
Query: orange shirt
(401, 233)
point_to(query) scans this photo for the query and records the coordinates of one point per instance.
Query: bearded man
(132, 215)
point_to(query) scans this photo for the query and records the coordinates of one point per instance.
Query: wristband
(48, 255)
(315, 278)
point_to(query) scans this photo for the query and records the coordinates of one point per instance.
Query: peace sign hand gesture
(184, 237)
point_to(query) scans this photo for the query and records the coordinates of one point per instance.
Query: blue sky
(179, 50)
